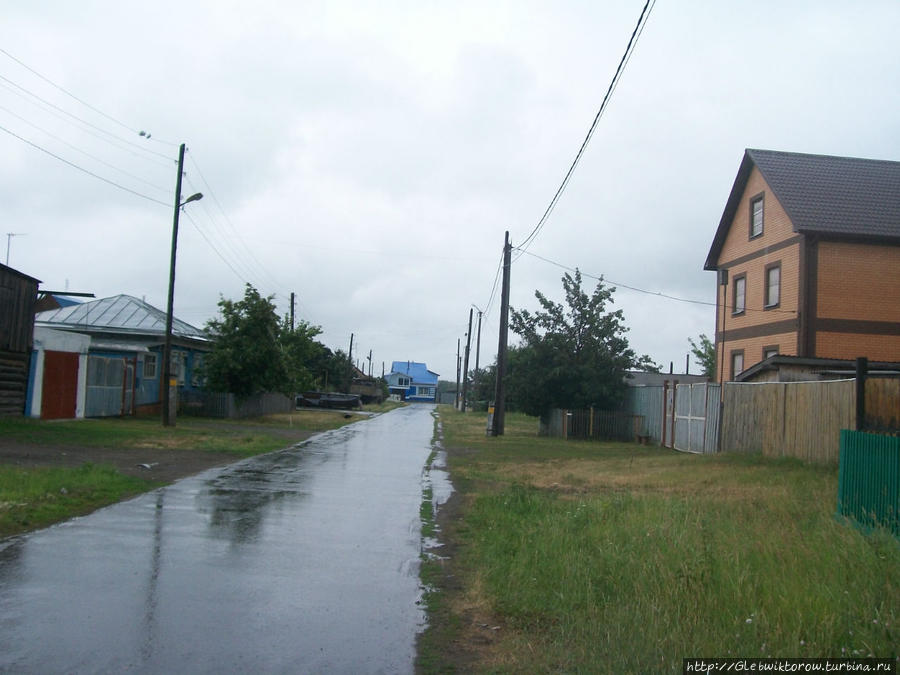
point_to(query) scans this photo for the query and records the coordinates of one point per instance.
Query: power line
(82, 121)
(213, 247)
(83, 102)
(82, 169)
(632, 42)
(646, 292)
(263, 272)
(487, 307)
(84, 152)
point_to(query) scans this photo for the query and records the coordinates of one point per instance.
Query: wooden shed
(18, 294)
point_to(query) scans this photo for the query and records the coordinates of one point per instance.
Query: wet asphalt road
(301, 561)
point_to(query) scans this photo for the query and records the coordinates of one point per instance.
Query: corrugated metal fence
(869, 480)
(593, 424)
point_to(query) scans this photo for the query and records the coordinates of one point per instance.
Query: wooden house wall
(18, 294)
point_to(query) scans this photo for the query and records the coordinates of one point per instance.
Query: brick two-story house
(807, 255)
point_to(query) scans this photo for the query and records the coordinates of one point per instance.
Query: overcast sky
(370, 156)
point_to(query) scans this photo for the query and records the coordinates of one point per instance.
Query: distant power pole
(370, 363)
(498, 426)
(456, 405)
(466, 367)
(292, 311)
(350, 353)
(478, 343)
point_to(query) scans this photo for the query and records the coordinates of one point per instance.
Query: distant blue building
(412, 381)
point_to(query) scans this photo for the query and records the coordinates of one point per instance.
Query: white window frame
(777, 287)
(757, 208)
(150, 371)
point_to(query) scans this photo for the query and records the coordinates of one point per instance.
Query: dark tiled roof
(844, 196)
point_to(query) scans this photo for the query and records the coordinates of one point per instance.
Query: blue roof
(418, 372)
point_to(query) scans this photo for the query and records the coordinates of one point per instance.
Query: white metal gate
(696, 417)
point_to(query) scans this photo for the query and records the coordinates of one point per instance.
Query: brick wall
(777, 229)
(859, 281)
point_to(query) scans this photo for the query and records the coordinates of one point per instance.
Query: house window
(740, 293)
(177, 367)
(150, 366)
(425, 391)
(769, 352)
(737, 363)
(403, 381)
(197, 379)
(773, 285)
(756, 216)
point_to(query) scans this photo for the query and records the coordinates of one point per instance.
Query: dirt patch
(150, 461)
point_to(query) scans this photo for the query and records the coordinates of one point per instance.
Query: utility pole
(167, 348)
(292, 311)
(478, 343)
(456, 405)
(466, 368)
(498, 426)
(350, 353)
(370, 363)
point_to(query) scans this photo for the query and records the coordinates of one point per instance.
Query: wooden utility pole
(498, 425)
(370, 363)
(456, 405)
(478, 342)
(466, 367)
(350, 354)
(292, 311)
(167, 404)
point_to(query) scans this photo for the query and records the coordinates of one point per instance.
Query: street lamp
(168, 417)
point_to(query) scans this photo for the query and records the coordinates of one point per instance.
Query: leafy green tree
(299, 351)
(572, 355)
(704, 355)
(247, 356)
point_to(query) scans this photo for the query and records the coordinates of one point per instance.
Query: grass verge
(33, 498)
(604, 557)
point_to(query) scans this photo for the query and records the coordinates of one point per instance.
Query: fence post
(862, 371)
(664, 410)
(565, 424)
(591, 424)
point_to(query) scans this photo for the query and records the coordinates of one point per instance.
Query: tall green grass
(635, 559)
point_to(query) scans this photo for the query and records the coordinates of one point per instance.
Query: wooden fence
(210, 404)
(789, 419)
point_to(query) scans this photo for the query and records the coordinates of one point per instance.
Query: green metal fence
(869, 480)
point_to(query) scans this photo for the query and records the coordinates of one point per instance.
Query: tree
(573, 355)
(299, 351)
(704, 355)
(246, 357)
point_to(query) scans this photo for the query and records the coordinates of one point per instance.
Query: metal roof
(418, 372)
(846, 196)
(118, 314)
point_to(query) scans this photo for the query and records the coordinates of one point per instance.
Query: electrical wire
(83, 121)
(654, 293)
(84, 152)
(262, 273)
(82, 169)
(83, 102)
(490, 302)
(213, 247)
(632, 43)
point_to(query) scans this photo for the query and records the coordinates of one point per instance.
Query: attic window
(756, 216)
